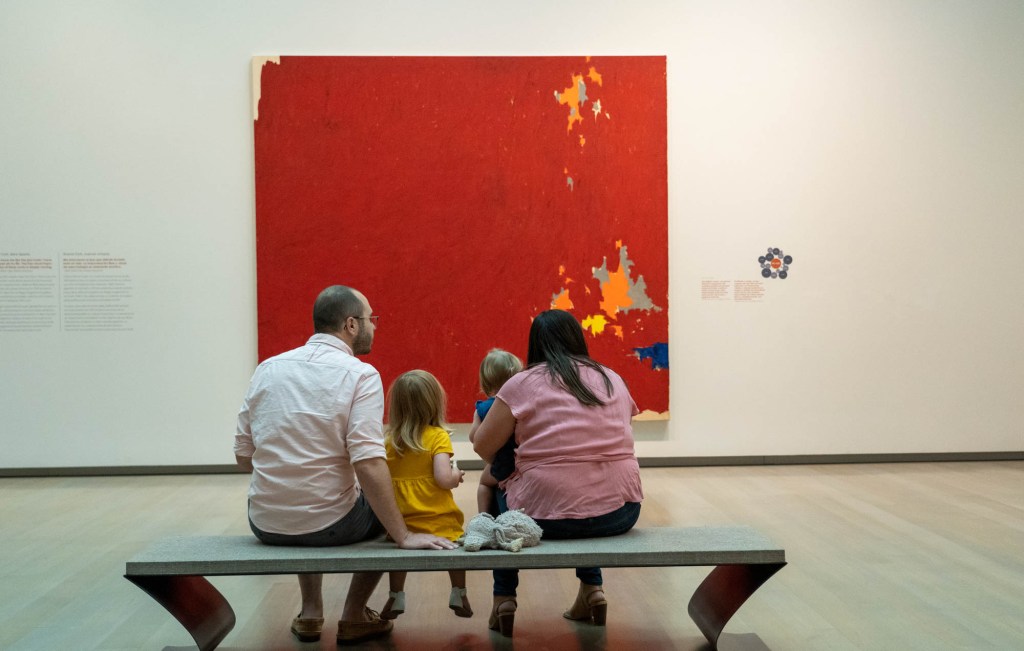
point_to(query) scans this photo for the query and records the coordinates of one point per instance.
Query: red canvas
(464, 195)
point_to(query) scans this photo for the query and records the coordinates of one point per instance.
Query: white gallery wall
(879, 142)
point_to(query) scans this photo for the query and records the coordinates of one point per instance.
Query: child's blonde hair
(415, 402)
(496, 369)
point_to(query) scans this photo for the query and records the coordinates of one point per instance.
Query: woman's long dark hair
(556, 339)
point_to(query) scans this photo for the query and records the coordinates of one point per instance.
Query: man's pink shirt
(310, 413)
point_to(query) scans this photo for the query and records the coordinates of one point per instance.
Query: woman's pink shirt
(573, 461)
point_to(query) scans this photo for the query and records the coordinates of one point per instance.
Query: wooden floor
(889, 556)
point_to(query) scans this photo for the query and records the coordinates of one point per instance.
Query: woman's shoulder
(536, 371)
(593, 377)
(592, 367)
(610, 372)
(526, 380)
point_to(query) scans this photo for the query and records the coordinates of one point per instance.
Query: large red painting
(463, 195)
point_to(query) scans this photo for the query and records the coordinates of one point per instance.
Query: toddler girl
(496, 368)
(419, 458)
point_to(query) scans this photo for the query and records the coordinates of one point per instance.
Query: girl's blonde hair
(415, 402)
(496, 369)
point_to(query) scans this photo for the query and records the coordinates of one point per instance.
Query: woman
(576, 470)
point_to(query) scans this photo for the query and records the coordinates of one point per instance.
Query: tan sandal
(503, 615)
(590, 605)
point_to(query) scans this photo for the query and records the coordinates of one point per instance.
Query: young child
(419, 457)
(496, 368)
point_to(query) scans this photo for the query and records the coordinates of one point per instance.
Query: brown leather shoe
(307, 629)
(352, 632)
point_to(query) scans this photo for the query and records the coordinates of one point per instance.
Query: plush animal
(511, 531)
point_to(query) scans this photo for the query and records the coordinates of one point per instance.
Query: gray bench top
(641, 547)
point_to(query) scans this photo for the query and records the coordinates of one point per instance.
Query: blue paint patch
(657, 353)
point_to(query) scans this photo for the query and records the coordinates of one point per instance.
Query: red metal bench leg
(194, 602)
(722, 593)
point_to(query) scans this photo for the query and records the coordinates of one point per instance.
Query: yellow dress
(425, 506)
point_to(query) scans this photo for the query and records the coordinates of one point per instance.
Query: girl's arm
(445, 475)
(494, 431)
(476, 424)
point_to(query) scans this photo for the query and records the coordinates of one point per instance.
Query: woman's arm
(496, 429)
(475, 426)
(445, 475)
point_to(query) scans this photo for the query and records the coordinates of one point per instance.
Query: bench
(172, 570)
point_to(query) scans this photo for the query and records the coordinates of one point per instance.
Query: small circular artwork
(775, 263)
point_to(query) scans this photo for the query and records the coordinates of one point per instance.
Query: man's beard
(362, 343)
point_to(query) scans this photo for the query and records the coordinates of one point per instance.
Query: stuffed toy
(511, 531)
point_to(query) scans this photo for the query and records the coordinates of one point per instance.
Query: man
(310, 431)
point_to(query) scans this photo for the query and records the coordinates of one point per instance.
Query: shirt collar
(330, 340)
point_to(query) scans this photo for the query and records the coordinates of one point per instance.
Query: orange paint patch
(562, 301)
(561, 270)
(617, 330)
(571, 98)
(594, 76)
(615, 293)
(583, 141)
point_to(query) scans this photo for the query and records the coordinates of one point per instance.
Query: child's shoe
(459, 602)
(394, 606)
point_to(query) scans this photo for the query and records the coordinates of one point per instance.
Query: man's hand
(375, 481)
(425, 541)
(244, 463)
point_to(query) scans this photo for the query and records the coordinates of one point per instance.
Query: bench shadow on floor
(585, 638)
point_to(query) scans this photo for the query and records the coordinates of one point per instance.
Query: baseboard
(112, 471)
(812, 459)
(476, 464)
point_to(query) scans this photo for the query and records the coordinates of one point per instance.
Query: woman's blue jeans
(617, 522)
